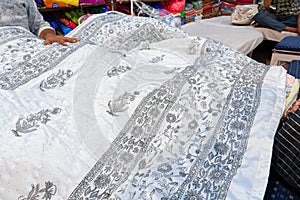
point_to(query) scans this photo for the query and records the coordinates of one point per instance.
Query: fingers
(72, 40)
(61, 40)
(46, 42)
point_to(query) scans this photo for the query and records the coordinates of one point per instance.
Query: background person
(24, 13)
(280, 15)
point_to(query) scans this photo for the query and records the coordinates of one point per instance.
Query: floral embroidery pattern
(170, 71)
(119, 104)
(31, 122)
(28, 58)
(40, 193)
(143, 35)
(115, 71)
(157, 59)
(56, 80)
(13, 33)
(113, 29)
(189, 110)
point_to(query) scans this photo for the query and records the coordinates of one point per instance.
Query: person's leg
(290, 22)
(269, 20)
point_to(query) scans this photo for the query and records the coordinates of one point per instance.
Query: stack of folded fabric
(64, 21)
(190, 13)
(227, 8)
(216, 9)
(60, 27)
(198, 7)
(207, 11)
(210, 8)
(66, 25)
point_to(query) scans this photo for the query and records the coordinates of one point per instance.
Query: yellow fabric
(71, 2)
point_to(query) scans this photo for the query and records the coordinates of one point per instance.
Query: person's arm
(267, 3)
(298, 24)
(42, 29)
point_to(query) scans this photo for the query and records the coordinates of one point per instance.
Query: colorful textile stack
(198, 7)
(227, 8)
(216, 9)
(207, 11)
(65, 24)
(65, 21)
(211, 8)
(190, 13)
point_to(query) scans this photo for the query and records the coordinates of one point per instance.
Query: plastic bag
(175, 6)
(160, 14)
(243, 14)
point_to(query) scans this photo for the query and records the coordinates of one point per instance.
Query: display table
(242, 38)
(273, 35)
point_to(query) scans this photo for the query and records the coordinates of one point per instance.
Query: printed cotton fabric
(130, 112)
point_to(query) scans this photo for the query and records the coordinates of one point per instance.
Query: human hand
(50, 37)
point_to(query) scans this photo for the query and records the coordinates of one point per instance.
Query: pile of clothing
(65, 20)
(211, 8)
(189, 13)
(198, 7)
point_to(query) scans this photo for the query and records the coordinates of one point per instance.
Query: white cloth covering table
(242, 38)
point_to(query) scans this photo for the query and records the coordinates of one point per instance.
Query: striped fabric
(286, 152)
(294, 68)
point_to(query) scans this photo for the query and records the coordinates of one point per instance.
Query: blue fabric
(277, 190)
(280, 192)
(294, 68)
(276, 22)
(290, 43)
